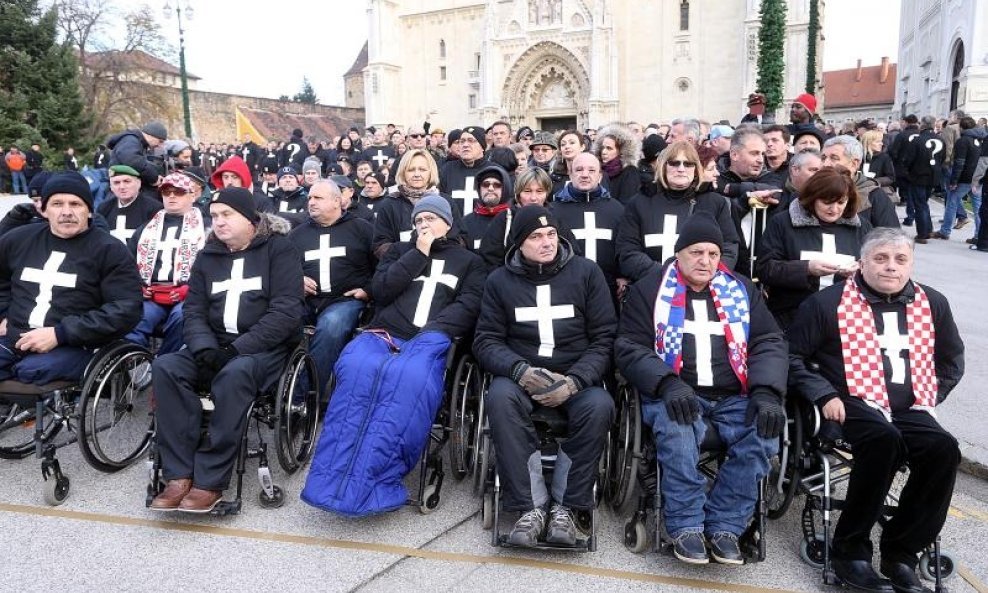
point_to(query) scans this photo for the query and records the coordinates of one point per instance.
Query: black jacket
(340, 272)
(495, 242)
(875, 206)
(898, 151)
(456, 181)
(401, 278)
(923, 159)
(293, 207)
(639, 246)
(879, 168)
(625, 185)
(634, 349)
(967, 151)
(816, 361)
(269, 316)
(125, 221)
(129, 148)
(476, 223)
(393, 222)
(582, 337)
(98, 302)
(574, 209)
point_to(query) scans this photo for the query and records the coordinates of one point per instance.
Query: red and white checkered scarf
(863, 366)
(192, 238)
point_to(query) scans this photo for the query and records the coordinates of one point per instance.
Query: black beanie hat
(240, 199)
(66, 182)
(37, 182)
(478, 133)
(652, 146)
(528, 219)
(700, 228)
(454, 135)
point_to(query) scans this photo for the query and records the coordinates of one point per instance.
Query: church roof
(133, 60)
(861, 86)
(359, 64)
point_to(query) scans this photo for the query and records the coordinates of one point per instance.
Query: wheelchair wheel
(927, 566)
(430, 500)
(17, 430)
(487, 511)
(811, 552)
(462, 415)
(485, 463)
(56, 490)
(271, 502)
(625, 449)
(784, 474)
(115, 412)
(635, 536)
(297, 411)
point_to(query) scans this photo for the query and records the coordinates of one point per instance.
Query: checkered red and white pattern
(863, 366)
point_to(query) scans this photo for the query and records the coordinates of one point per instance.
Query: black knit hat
(652, 146)
(478, 133)
(529, 219)
(700, 228)
(240, 199)
(66, 182)
(37, 182)
(156, 129)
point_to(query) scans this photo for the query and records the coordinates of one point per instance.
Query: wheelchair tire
(297, 414)
(430, 500)
(115, 410)
(17, 431)
(271, 502)
(811, 552)
(635, 537)
(778, 502)
(625, 450)
(927, 566)
(462, 416)
(487, 511)
(56, 490)
(485, 463)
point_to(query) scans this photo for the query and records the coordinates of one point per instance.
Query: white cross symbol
(590, 234)
(244, 152)
(468, 194)
(46, 278)
(380, 158)
(544, 313)
(429, 283)
(702, 330)
(122, 232)
(405, 236)
(667, 238)
(234, 288)
(828, 254)
(892, 344)
(282, 205)
(476, 244)
(324, 255)
(167, 247)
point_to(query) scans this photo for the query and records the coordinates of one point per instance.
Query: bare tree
(114, 75)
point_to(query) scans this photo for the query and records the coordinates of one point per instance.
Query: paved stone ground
(103, 538)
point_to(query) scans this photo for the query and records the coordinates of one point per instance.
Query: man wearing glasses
(543, 149)
(456, 179)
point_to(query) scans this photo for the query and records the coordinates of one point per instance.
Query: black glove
(22, 213)
(533, 379)
(771, 416)
(682, 404)
(557, 393)
(209, 362)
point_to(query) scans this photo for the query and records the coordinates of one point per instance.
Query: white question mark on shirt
(935, 146)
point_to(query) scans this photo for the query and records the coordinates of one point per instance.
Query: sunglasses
(416, 136)
(493, 184)
(173, 191)
(678, 164)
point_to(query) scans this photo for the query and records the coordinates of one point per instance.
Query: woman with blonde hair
(877, 165)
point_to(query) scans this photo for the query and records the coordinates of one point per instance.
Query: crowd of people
(716, 269)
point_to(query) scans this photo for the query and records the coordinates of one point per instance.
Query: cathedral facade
(555, 64)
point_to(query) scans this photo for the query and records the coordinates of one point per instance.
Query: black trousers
(589, 415)
(178, 415)
(880, 448)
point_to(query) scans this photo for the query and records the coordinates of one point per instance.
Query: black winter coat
(129, 148)
(340, 272)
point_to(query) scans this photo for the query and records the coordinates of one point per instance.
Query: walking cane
(759, 217)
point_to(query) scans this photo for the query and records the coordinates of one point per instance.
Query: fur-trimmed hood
(802, 218)
(629, 146)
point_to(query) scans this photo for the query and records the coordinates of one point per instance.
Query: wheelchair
(472, 453)
(108, 413)
(290, 410)
(634, 466)
(817, 462)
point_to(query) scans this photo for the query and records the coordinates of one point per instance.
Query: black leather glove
(681, 401)
(557, 393)
(210, 361)
(770, 416)
(22, 213)
(533, 379)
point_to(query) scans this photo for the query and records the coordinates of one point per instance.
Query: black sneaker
(689, 547)
(562, 528)
(528, 528)
(724, 548)
(907, 222)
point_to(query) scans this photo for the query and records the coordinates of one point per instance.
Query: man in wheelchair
(335, 247)
(545, 332)
(242, 318)
(165, 248)
(65, 288)
(699, 345)
(877, 354)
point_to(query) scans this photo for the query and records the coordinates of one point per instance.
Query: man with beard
(495, 188)
(801, 113)
(456, 178)
(129, 209)
(545, 331)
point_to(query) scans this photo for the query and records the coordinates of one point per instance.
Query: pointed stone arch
(546, 81)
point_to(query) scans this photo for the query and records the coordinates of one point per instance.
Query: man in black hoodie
(493, 184)
(242, 317)
(133, 147)
(545, 332)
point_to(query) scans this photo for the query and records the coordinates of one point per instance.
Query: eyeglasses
(678, 164)
(542, 149)
(426, 218)
(173, 191)
(416, 136)
(491, 183)
(468, 140)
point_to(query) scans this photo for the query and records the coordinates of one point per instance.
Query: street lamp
(167, 9)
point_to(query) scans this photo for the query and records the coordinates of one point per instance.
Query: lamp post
(167, 9)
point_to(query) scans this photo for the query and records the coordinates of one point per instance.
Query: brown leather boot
(172, 495)
(200, 501)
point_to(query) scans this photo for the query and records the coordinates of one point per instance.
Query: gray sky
(230, 44)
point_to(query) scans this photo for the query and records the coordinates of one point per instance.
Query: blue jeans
(687, 506)
(62, 363)
(954, 207)
(976, 197)
(334, 328)
(921, 205)
(19, 181)
(160, 320)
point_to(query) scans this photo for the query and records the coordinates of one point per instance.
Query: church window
(442, 73)
(684, 15)
(442, 49)
(472, 101)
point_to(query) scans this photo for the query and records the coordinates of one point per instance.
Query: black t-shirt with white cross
(595, 225)
(378, 156)
(706, 366)
(338, 257)
(893, 339)
(125, 220)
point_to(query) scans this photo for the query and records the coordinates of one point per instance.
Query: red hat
(808, 101)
